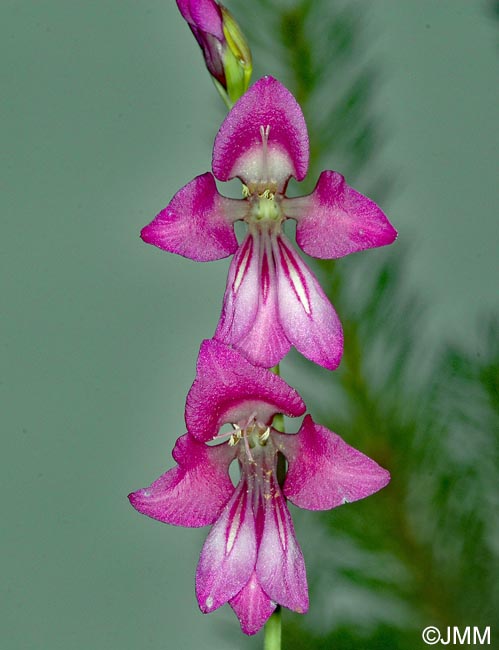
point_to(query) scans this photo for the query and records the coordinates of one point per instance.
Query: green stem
(272, 631)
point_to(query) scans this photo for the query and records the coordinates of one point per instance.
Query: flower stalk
(272, 631)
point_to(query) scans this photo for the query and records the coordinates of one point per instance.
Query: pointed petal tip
(307, 316)
(197, 223)
(325, 472)
(336, 220)
(193, 493)
(252, 606)
(141, 502)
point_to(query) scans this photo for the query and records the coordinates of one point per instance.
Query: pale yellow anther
(265, 435)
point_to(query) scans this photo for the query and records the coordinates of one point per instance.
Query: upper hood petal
(239, 149)
(228, 388)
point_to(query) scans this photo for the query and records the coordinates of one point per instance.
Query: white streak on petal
(296, 280)
(234, 526)
(243, 265)
(280, 524)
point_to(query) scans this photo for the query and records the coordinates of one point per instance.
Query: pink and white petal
(307, 317)
(240, 303)
(252, 606)
(336, 220)
(193, 493)
(240, 150)
(197, 223)
(229, 553)
(228, 388)
(280, 568)
(265, 344)
(324, 471)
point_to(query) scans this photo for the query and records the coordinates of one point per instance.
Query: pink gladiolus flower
(251, 557)
(272, 300)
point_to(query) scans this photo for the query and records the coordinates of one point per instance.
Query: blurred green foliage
(425, 550)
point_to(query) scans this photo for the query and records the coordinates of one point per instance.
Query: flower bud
(225, 50)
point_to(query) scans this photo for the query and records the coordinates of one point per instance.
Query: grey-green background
(106, 112)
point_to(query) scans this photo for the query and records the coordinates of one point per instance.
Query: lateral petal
(229, 553)
(193, 493)
(228, 388)
(336, 220)
(239, 148)
(197, 223)
(324, 471)
(252, 606)
(307, 317)
(280, 568)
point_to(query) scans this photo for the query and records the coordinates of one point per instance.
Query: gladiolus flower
(251, 558)
(272, 300)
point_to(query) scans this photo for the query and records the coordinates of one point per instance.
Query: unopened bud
(226, 52)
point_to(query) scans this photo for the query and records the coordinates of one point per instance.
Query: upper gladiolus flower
(226, 52)
(251, 557)
(272, 300)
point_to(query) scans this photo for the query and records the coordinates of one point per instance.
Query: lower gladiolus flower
(251, 558)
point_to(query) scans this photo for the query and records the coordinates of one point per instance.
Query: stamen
(264, 133)
(267, 194)
(233, 436)
(251, 420)
(264, 436)
(248, 450)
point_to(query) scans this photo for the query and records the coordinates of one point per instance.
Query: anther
(264, 436)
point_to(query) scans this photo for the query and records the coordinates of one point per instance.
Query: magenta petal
(336, 220)
(204, 15)
(250, 318)
(252, 606)
(193, 493)
(308, 318)
(228, 388)
(280, 567)
(325, 472)
(197, 223)
(239, 149)
(229, 553)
